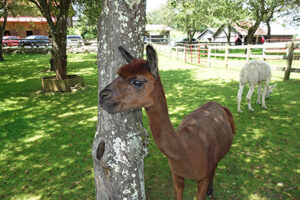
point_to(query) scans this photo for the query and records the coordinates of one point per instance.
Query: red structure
(25, 26)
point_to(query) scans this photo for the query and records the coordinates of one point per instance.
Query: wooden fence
(203, 53)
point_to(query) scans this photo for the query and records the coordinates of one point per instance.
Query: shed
(26, 25)
(158, 33)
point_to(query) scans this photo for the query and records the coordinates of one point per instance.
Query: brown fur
(230, 119)
(201, 140)
(137, 66)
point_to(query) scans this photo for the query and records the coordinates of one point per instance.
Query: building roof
(212, 30)
(157, 27)
(25, 19)
(243, 31)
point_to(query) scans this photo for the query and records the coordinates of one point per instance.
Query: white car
(74, 40)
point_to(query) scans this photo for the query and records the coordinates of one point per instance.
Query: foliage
(91, 9)
(189, 16)
(263, 11)
(164, 15)
(46, 138)
(12, 8)
(88, 13)
(56, 14)
(86, 31)
(291, 13)
(193, 15)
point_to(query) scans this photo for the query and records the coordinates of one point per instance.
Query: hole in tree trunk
(100, 150)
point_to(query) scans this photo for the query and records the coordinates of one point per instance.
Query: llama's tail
(230, 119)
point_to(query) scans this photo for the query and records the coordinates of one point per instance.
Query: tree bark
(251, 32)
(2, 30)
(59, 51)
(58, 30)
(120, 140)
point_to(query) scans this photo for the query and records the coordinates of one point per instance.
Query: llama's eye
(136, 83)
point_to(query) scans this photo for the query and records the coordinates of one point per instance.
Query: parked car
(35, 40)
(184, 41)
(74, 40)
(10, 41)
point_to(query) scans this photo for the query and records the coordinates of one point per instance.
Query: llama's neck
(161, 126)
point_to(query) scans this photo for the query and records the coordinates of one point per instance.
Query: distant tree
(291, 13)
(56, 12)
(11, 8)
(262, 11)
(4, 9)
(163, 15)
(189, 16)
(88, 13)
(225, 14)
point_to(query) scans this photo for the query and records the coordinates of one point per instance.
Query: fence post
(289, 61)
(248, 52)
(226, 56)
(198, 54)
(184, 53)
(191, 47)
(208, 55)
(264, 51)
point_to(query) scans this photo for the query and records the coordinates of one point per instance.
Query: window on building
(28, 33)
(6, 32)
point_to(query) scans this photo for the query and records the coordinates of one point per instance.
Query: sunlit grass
(46, 138)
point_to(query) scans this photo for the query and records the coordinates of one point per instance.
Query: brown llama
(201, 140)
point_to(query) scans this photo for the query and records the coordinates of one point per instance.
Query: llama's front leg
(239, 97)
(202, 189)
(178, 186)
(263, 105)
(258, 94)
(249, 95)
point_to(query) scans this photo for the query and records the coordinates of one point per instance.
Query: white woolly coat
(255, 71)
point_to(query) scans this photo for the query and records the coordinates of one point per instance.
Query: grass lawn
(46, 138)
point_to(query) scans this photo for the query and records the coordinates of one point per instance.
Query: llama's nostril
(104, 94)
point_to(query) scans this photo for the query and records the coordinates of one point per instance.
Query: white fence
(203, 53)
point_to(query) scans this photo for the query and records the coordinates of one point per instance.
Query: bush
(21, 50)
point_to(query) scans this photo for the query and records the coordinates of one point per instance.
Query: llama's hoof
(258, 102)
(251, 109)
(240, 111)
(264, 107)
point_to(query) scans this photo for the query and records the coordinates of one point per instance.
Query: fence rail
(203, 53)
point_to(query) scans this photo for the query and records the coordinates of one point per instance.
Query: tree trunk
(58, 31)
(120, 140)
(251, 32)
(269, 30)
(2, 30)
(59, 51)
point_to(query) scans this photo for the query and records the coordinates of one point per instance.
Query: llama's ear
(128, 57)
(152, 60)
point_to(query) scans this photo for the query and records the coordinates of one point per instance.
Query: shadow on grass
(46, 138)
(261, 163)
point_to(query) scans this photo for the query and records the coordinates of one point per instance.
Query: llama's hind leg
(258, 94)
(263, 105)
(249, 95)
(210, 185)
(178, 186)
(239, 97)
(202, 189)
